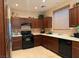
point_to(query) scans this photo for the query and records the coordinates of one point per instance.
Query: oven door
(27, 41)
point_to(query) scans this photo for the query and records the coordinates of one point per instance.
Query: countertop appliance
(27, 37)
(65, 48)
(76, 35)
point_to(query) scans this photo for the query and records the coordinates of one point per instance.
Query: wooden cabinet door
(75, 52)
(53, 44)
(37, 40)
(16, 43)
(33, 23)
(48, 22)
(36, 23)
(78, 14)
(73, 17)
(44, 41)
(75, 49)
(16, 23)
(25, 20)
(50, 43)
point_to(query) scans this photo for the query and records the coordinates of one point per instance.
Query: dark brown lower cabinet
(37, 40)
(75, 49)
(50, 43)
(16, 43)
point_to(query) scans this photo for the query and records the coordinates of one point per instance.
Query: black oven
(27, 39)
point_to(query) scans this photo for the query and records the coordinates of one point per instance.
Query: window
(61, 19)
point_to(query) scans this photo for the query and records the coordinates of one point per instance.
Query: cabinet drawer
(75, 44)
(16, 38)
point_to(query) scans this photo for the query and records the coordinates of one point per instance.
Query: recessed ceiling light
(43, 0)
(16, 5)
(36, 7)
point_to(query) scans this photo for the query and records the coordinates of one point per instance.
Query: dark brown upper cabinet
(74, 17)
(48, 22)
(36, 23)
(16, 23)
(78, 13)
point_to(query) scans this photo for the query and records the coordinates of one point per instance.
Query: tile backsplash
(65, 31)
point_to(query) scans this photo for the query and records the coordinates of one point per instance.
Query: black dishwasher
(65, 48)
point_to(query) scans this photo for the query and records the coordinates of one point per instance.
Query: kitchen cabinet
(50, 43)
(78, 14)
(74, 17)
(48, 22)
(36, 23)
(37, 40)
(16, 23)
(16, 43)
(75, 49)
(39, 23)
(25, 20)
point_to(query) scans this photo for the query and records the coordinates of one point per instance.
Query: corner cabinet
(50, 43)
(16, 43)
(37, 40)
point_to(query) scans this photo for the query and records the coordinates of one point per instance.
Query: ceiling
(29, 5)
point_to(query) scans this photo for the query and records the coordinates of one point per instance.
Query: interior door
(6, 28)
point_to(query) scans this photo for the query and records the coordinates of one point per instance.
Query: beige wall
(68, 31)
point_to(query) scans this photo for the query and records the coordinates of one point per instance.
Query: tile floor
(36, 52)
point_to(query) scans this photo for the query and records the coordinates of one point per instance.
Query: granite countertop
(16, 34)
(56, 35)
(61, 36)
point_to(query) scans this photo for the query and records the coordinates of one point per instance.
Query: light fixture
(43, 0)
(16, 5)
(36, 7)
